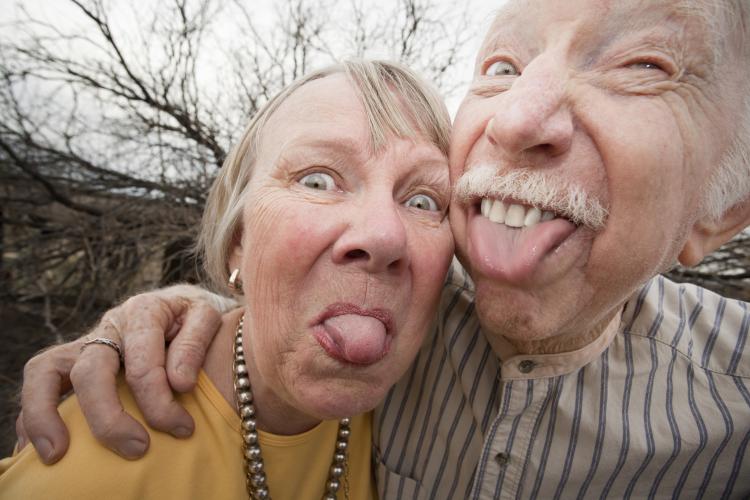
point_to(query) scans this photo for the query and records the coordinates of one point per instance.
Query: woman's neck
(273, 415)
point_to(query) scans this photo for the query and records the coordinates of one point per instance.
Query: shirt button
(526, 366)
(502, 459)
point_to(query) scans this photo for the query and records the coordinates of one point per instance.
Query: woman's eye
(501, 68)
(318, 180)
(422, 202)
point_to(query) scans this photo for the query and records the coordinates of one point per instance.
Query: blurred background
(115, 116)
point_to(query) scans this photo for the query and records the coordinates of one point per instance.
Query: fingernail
(44, 449)
(181, 432)
(183, 370)
(132, 449)
(21, 444)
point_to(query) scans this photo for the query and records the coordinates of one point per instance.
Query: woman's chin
(343, 401)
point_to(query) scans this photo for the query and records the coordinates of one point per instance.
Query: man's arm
(187, 316)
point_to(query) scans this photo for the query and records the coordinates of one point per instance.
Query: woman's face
(342, 255)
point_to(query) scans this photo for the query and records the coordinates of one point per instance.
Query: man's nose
(376, 238)
(533, 116)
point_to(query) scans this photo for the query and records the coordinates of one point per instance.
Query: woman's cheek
(432, 251)
(431, 256)
(303, 231)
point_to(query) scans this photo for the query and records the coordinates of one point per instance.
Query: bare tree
(726, 271)
(112, 128)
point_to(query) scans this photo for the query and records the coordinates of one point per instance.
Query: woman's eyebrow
(339, 145)
(430, 172)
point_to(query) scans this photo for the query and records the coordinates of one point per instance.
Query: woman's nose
(533, 116)
(375, 238)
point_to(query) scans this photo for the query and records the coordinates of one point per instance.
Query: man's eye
(646, 65)
(501, 68)
(422, 202)
(318, 180)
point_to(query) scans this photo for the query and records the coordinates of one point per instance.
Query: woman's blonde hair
(396, 101)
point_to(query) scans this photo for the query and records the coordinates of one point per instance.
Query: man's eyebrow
(499, 29)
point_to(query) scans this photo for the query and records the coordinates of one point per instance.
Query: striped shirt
(658, 406)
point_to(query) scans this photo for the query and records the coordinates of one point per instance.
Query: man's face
(620, 104)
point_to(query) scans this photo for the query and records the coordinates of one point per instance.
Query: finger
(187, 352)
(94, 377)
(22, 437)
(149, 319)
(45, 379)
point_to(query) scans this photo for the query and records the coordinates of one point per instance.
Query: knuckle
(134, 377)
(157, 419)
(110, 323)
(136, 301)
(205, 309)
(129, 309)
(154, 398)
(191, 348)
(42, 361)
(75, 375)
(31, 366)
(104, 426)
(82, 370)
(149, 310)
(139, 376)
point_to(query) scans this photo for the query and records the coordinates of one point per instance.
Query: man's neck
(505, 347)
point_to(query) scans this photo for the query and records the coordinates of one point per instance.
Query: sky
(62, 14)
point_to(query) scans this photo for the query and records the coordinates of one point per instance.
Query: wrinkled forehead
(359, 101)
(705, 27)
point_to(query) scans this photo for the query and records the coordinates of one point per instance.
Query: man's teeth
(497, 212)
(533, 216)
(514, 214)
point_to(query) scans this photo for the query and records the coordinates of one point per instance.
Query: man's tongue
(358, 339)
(513, 254)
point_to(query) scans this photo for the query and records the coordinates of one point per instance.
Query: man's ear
(707, 234)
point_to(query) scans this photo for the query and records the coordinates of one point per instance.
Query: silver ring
(109, 343)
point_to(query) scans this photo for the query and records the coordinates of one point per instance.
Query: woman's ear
(235, 255)
(707, 234)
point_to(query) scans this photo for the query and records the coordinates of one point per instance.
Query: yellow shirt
(207, 465)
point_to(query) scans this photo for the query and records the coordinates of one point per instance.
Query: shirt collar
(516, 366)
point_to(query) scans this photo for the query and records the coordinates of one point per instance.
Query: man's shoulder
(458, 291)
(456, 311)
(458, 278)
(695, 322)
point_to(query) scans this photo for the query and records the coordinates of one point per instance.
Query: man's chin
(523, 315)
(509, 313)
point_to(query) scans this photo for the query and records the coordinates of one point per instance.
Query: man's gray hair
(730, 182)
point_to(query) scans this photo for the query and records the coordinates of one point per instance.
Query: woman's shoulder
(171, 468)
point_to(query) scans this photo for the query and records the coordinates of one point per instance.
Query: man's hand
(188, 316)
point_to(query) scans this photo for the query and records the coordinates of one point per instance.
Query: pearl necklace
(254, 471)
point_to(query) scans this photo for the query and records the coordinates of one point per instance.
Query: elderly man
(600, 142)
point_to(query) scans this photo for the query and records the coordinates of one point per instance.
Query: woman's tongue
(357, 339)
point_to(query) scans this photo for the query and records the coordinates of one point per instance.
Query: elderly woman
(328, 220)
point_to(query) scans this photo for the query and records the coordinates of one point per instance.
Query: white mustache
(532, 188)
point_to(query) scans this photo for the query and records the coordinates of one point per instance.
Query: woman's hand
(186, 315)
